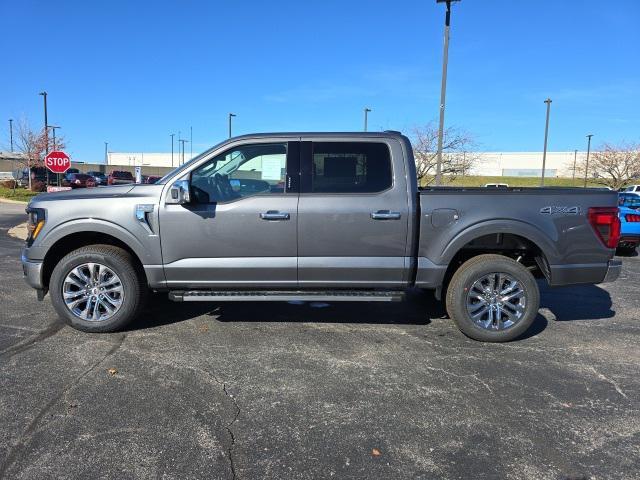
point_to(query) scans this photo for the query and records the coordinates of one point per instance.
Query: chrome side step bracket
(285, 296)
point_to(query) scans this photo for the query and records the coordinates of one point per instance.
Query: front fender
(88, 225)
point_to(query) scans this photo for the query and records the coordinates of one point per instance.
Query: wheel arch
(72, 241)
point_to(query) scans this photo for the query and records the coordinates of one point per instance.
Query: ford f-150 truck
(315, 216)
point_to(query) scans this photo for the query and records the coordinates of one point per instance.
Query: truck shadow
(418, 309)
(582, 302)
(578, 302)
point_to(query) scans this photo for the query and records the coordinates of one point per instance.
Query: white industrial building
(498, 164)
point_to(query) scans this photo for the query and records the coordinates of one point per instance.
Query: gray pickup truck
(315, 216)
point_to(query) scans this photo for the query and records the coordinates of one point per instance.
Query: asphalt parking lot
(319, 391)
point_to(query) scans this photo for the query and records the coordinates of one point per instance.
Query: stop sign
(57, 162)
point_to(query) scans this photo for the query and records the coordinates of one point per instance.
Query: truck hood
(113, 191)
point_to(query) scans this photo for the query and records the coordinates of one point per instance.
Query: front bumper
(613, 271)
(32, 271)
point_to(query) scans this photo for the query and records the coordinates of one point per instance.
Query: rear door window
(350, 167)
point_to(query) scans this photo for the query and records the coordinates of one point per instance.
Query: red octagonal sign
(57, 162)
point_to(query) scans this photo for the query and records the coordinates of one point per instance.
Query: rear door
(353, 213)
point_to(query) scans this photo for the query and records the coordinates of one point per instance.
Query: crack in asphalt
(609, 381)
(229, 425)
(28, 433)
(26, 344)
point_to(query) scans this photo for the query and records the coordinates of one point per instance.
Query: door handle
(275, 215)
(385, 215)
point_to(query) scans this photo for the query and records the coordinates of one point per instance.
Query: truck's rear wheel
(492, 298)
(97, 288)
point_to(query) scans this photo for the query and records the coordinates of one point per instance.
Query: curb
(18, 202)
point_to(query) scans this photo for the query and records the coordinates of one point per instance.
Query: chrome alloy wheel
(496, 301)
(92, 292)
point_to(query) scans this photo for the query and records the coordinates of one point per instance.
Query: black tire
(481, 267)
(122, 264)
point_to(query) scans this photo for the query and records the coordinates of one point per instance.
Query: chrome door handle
(275, 215)
(385, 215)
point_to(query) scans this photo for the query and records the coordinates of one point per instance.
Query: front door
(240, 229)
(353, 214)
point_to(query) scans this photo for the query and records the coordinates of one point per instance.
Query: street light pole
(586, 167)
(172, 135)
(575, 158)
(231, 115)
(183, 141)
(366, 114)
(546, 135)
(443, 88)
(106, 153)
(46, 123)
(11, 132)
(53, 130)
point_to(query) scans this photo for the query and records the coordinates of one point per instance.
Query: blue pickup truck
(629, 212)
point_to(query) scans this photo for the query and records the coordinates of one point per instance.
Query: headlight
(36, 219)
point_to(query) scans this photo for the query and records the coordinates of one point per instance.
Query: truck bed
(552, 222)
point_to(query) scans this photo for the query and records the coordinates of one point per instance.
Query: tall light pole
(190, 143)
(53, 131)
(575, 158)
(586, 167)
(231, 115)
(443, 87)
(183, 141)
(11, 132)
(546, 136)
(366, 117)
(172, 135)
(106, 153)
(46, 123)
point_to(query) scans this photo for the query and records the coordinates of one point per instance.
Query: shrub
(38, 186)
(8, 183)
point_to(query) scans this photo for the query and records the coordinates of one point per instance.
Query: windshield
(631, 201)
(184, 166)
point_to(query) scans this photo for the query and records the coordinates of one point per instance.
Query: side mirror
(179, 193)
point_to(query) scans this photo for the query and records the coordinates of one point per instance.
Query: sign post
(57, 162)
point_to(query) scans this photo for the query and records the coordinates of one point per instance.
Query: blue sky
(131, 73)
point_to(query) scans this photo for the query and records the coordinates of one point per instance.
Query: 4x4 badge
(552, 210)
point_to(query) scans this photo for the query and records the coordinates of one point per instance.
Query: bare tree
(612, 165)
(32, 144)
(457, 155)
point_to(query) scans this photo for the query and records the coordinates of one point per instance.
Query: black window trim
(306, 160)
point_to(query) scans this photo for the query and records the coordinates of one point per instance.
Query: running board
(285, 296)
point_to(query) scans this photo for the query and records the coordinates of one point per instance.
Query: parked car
(99, 177)
(339, 217)
(629, 211)
(496, 185)
(120, 177)
(150, 178)
(633, 188)
(78, 180)
(72, 170)
(21, 177)
(42, 174)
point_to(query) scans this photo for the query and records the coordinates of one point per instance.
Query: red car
(78, 180)
(120, 177)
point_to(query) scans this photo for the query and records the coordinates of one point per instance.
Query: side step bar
(285, 296)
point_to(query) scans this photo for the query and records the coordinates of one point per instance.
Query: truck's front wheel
(97, 288)
(492, 298)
